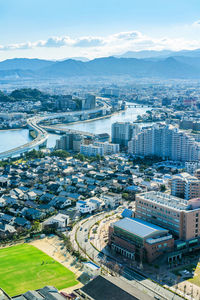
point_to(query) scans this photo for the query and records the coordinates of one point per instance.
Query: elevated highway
(55, 129)
(38, 141)
(42, 135)
(136, 105)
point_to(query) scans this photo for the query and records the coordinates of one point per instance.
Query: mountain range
(163, 64)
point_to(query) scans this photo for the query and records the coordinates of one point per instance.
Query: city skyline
(62, 29)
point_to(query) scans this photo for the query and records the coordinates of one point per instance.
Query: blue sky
(55, 29)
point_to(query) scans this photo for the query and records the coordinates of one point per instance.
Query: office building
(123, 132)
(181, 217)
(135, 238)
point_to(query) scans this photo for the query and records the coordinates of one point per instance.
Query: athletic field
(24, 267)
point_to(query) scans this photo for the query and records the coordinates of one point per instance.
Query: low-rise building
(89, 205)
(60, 219)
(112, 199)
(91, 269)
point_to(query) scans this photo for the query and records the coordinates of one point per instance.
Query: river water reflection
(104, 125)
(13, 138)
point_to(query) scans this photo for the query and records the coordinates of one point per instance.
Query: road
(33, 123)
(80, 233)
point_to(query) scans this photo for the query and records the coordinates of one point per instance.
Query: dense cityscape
(99, 150)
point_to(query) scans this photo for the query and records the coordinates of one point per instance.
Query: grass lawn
(24, 268)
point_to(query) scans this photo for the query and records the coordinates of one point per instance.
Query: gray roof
(140, 228)
(113, 288)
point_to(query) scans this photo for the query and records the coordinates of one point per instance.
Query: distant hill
(66, 68)
(24, 64)
(159, 54)
(112, 66)
(179, 66)
(146, 54)
(14, 74)
(84, 59)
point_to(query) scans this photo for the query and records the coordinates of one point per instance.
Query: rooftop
(92, 265)
(166, 200)
(140, 228)
(113, 288)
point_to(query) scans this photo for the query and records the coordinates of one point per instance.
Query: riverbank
(13, 129)
(9, 139)
(91, 120)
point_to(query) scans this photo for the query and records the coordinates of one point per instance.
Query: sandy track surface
(54, 247)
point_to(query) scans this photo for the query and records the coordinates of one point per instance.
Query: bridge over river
(41, 131)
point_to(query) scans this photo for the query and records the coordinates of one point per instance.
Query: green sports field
(24, 268)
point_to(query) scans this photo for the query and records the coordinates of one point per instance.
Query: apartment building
(89, 102)
(123, 132)
(185, 186)
(108, 148)
(70, 141)
(91, 150)
(181, 217)
(191, 167)
(165, 141)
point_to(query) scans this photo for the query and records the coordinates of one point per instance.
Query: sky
(58, 29)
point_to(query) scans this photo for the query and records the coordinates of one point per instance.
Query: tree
(60, 153)
(125, 195)
(36, 226)
(34, 154)
(162, 188)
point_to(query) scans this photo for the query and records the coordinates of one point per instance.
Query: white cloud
(196, 23)
(95, 46)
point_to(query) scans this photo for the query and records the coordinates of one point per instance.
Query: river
(104, 125)
(13, 138)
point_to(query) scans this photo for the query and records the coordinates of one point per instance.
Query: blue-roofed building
(127, 213)
(133, 189)
(138, 239)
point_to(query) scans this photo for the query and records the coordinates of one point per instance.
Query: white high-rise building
(165, 141)
(123, 132)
